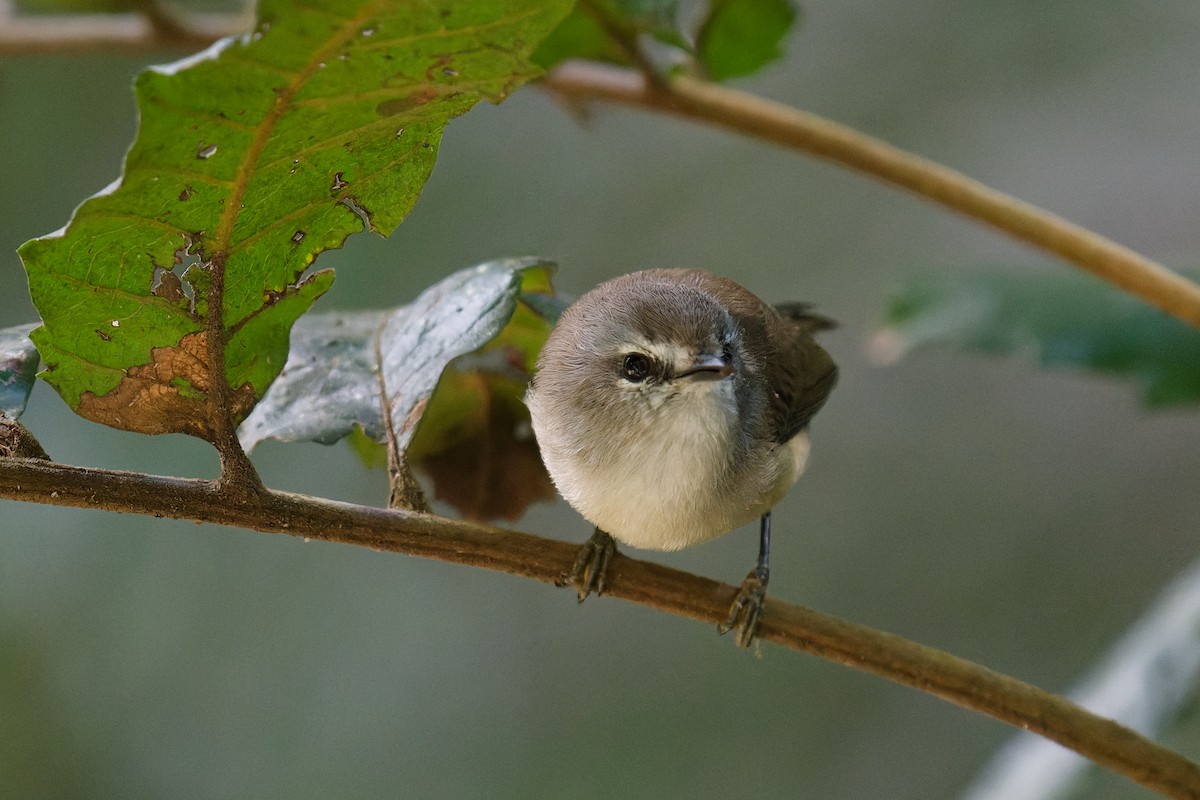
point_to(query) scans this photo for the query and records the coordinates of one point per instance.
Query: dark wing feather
(803, 375)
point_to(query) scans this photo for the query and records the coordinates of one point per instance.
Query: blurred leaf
(251, 159)
(1063, 319)
(580, 35)
(480, 452)
(488, 321)
(594, 28)
(18, 367)
(373, 454)
(740, 37)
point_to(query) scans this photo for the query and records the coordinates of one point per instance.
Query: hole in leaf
(174, 284)
(360, 212)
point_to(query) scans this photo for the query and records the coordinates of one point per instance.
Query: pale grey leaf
(332, 381)
(18, 366)
(327, 386)
(452, 318)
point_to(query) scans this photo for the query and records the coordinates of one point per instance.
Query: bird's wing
(804, 374)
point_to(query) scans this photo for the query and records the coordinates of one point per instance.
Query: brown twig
(155, 28)
(965, 683)
(717, 105)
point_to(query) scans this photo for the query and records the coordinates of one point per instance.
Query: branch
(887, 655)
(159, 28)
(1145, 679)
(764, 119)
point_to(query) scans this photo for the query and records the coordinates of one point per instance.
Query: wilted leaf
(487, 323)
(1063, 319)
(251, 159)
(18, 366)
(343, 365)
(740, 37)
(481, 455)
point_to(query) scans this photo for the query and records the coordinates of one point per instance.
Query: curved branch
(764, 119)
(887, 655)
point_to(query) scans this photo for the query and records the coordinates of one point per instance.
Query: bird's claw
(747, 608)
(590, 571)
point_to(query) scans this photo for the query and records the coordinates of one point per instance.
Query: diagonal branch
(887, 655)
(728, 108)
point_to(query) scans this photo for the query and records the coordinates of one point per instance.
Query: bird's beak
(708, 368)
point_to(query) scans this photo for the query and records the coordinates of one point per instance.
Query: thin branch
(887, 655)
(764, 119)
(162, 29)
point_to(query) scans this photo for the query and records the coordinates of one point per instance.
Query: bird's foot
(747, 608)
(590, 572)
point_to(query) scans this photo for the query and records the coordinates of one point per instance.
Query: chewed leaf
(251, 159)
(343, 366)
(477, 445)
(18, 366)
(1063, 319)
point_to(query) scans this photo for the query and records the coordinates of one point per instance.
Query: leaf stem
(717, 105)
(887, 655)
(238, 476)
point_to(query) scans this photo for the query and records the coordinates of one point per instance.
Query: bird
(671, 406)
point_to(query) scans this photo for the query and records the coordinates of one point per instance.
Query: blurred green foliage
(1060, 318)
(722, 39)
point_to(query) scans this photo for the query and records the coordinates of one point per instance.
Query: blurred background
(1016, 516)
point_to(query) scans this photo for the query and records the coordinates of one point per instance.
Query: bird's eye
(635, 367)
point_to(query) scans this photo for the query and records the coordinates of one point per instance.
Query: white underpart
(665, 492)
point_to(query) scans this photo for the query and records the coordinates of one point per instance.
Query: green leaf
(251, 159)
(580, 35)
(740, 37)
(18, 366)
(1065, 320)
(592, 29)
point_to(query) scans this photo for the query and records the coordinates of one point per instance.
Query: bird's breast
(686, 478)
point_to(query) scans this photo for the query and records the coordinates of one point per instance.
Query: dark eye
(635, 368)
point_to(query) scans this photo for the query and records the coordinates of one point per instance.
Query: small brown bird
(672, 406)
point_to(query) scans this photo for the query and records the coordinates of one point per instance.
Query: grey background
(1014, 516)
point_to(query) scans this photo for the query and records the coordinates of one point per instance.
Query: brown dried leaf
(167, 395)
(492, 470)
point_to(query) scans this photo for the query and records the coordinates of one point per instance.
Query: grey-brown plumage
(710, 438)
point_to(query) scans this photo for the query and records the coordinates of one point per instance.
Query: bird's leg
(748, 605)
(590, 573)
